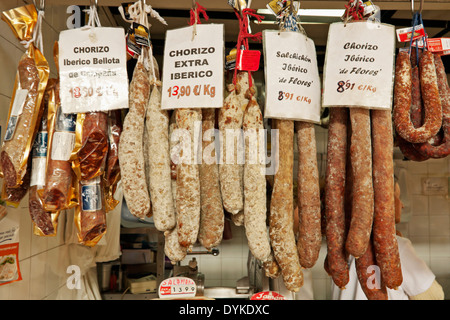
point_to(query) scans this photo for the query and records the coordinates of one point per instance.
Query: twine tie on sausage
(353, 11)
(244, 35)
(138, 12)
(195, 13)
(94, 20)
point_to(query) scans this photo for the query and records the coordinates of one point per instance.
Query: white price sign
(92, 67)
(359, 65)
(193, 68)
(177, 287)
(292, 76)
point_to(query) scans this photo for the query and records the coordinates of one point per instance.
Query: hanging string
(138, 12)
(195, 12)
(353, 11)
(244, 35)
(94, 20)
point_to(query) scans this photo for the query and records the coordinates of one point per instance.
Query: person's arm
(435, 292)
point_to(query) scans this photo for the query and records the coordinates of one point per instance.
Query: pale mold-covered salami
(211, 210)
(131, 152)
(255, 183)
(188, 180)
(230, 123)
(157, 124)
(172, 248)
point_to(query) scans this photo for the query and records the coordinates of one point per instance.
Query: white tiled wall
(428, 227)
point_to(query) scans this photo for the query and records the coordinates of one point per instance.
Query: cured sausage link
(384, 236)
(255, 203)
(281, 220)
(443, 149)
(362, 205)
(430, 95)
(309, 232)
(370, 280)
(335, 230)
(212, 218)
(188, 179)
(131, 153)
(231, 116)
(15, 149)
(157, 125)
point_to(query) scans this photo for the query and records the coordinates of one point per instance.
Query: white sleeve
(417, 276)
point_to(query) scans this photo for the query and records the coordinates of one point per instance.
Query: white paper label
(19, 101)
(193, 68)
(93, 74)
(62, 145)
(292, 77)
(359, 65)
(177, 287)
(39, 159)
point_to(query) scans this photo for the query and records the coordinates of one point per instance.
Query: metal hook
(94, 3)
(412, 6)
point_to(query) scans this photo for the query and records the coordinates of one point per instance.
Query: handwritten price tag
(292, 76)
(177, 287)
(359, 65)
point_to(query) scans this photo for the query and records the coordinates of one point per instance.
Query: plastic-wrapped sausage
(157, 123)
(335, 185)
(25, 106)
(212, 217)
(188, 180)
(23, 115)
(310, 233)
(281, 219)
(112, 170)
(45, 222)
(59, 175)
(90, 215)
(131, 153)
(94, 145)
(255, 183)
(362, 208)
(384, 238)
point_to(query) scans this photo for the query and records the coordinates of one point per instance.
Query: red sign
(248, 60)
(267, 295)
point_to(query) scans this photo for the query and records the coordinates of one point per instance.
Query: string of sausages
(421, 103)
(359, 199)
